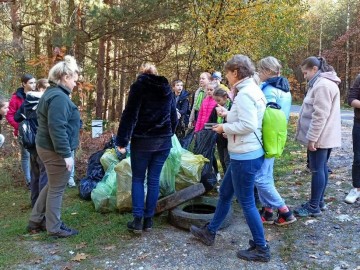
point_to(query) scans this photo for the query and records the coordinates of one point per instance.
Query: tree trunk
(115, 79)
(17, 38)
(100, 78)
(107, 79)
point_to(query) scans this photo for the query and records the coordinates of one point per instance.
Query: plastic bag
(109, 158)
(86, 186)
(190, 169)
(104, 195)
(171, 168)
(124, 180)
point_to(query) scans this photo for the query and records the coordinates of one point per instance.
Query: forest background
(111, 38)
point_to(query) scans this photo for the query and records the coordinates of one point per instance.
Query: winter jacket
(354, 94)
(15, 102)
(28, 109)
(150, 112)
(245, 118)
(182, 105)
(207, 106)
(277, 89)
(58, 121)
(319, 119)
(220, 139)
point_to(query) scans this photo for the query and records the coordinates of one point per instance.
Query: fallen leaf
(109, 247)
(338, 183)
(79, 257)
(81, 245)
(327, 252)
(310, 221)
(54, 251)
(313, 256)
(74, 213)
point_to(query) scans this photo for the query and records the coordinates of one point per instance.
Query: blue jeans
(319, 175)
(264, 182)
(153, 163)
(356, 161)
(25, 163)
(239, 180)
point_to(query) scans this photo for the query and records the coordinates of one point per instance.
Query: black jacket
(58, 121)
(150, 111)
(182, 105)
(354, 93)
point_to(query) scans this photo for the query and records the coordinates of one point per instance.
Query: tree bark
(17, 37)
(107, 78)
(100, 78)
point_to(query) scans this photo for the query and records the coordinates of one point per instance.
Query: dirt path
(328, 242)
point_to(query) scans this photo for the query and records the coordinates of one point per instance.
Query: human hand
(221, 111)
(218, 128)
(122, 150)
(69, 163)
(190, 125)
(311, 146)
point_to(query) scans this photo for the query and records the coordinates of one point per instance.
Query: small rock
(337, 227)
(343, 218)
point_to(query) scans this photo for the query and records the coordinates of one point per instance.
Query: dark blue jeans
(319, 175)
(239, 179)
(356, 161)
(153, 163)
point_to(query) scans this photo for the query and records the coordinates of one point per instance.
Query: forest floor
(330, 241)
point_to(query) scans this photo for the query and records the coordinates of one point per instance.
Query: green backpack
(274, 130)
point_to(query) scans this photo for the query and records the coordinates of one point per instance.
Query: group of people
(153, 113)
(46, 104)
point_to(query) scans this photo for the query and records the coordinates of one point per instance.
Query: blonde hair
(270, 64)
(148, 68)
(66, 67)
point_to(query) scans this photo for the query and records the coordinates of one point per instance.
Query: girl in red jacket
(28, 84)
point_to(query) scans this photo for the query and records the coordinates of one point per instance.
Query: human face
(232, 77)
(220, 100)
(70, 81)
(209, 90)
(30, 85)
(4, 109)
(309, 73)
(178, 88)
(204, 80)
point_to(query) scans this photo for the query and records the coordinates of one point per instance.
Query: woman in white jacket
(243, 124)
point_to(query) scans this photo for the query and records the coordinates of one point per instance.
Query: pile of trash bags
(113, 193)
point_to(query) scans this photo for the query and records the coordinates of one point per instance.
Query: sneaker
(203, 234)
(64, 232)
(305, 210)
(255, 253)
(322, 206)
(285, 218)
(353, 195)
(266, 216)
(135, 226)
(148, 223)
(36, 227)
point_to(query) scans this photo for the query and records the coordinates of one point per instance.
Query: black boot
(203, 234)
(135, 226)
(148, 223)
(255, 253)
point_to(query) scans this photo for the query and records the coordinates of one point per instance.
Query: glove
(69, 163)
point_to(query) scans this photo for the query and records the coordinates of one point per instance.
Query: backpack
(274, 130)
(27, 133)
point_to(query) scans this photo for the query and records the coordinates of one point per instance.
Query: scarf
(313, 80)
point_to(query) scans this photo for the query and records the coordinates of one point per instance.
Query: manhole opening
(199, 209)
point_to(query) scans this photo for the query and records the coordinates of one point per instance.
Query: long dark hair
(319, 62)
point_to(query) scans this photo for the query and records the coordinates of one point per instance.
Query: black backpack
(27, 133)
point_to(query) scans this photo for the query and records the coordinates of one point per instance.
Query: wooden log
(179, 197)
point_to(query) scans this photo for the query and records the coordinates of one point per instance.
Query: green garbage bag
(190, 169)
(104, 195)
(109, 158)
(171, 168)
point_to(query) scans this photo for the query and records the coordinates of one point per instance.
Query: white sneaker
(352, 196)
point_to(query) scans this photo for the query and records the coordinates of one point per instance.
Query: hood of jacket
(32, 100)
(159, 85)
(277, 82)
(20, 92)
(331, 75)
